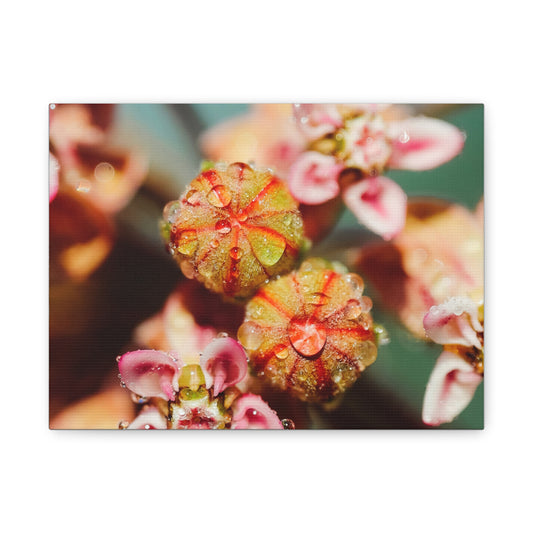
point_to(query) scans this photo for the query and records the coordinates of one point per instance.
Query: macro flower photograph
(274, 266)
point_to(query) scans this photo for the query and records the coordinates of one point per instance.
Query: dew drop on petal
(404, 137)
(214, 244)
(288, 424)
(250, 335)
(222, 335)
(219, 196)
(223, 226)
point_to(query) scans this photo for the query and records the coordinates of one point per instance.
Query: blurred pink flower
(198, 395)
(438, 254)
(361, 139)
(86, 159)
(458, 325)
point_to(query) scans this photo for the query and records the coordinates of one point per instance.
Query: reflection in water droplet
(235, 253)
(288, 424)
(242, 216)
(355, 281)
(281, 351)
(187, 242)
(104, 171)
(138, 399)
(404, 137)
(84, 186)
(307, 335)
(267, 247)
(352, 309)
(219, 196)
(171, 211)
(223, 226)
(193, 197)
(250, 335)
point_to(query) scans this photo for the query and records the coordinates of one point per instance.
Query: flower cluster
(199, 394)
(349, 148)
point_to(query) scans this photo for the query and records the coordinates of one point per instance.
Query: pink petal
(379, 203)
(149, 418)
(251, 412)
(54, 177)
(450, 389)
(224, 360)
(421, 143)
(313, 177)
(150, 373)
(317, 120)
(454, 322)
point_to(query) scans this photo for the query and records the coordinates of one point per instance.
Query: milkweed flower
(194, 395)
(349, 148)
(458, 325)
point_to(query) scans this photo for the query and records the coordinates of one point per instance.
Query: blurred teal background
(388, 395)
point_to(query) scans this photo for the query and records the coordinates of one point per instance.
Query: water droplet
(242, 216)
(366, 304)
(118, 358)
(187, 242)
(138, 399)
(104, 171)
(171, 211)
(84, 186)
(222, 335)
(281, 351)
(123, 424)
(219, 196)
(188, 269)
(307, 335)
(193, 197)
(223, 226)
(355, 281)
(52, 106)
(288, 424)
(214, 244)
(235, 253)
(404, 137)
(267, 247)
(250, 335)
(318, 299)
(352, 309)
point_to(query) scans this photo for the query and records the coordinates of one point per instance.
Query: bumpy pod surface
(310, 332)
(233, 228)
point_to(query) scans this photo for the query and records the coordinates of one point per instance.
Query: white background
(276, 51)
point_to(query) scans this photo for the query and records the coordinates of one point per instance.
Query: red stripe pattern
(310, 332)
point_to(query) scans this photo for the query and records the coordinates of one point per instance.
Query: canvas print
(266, 266)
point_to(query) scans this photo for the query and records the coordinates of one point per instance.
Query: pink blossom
(459, 370)
(251, 412)
(198, 395)
(359, 138)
